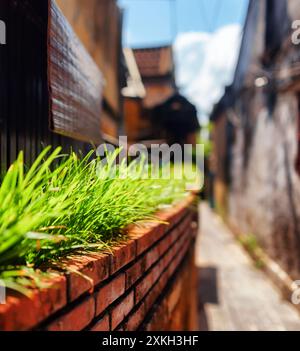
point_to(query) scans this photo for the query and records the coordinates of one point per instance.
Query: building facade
(61, 76)
(256, 133)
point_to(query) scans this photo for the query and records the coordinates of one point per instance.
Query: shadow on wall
(207, 293)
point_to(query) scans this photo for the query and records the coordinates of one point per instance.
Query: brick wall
(145, 283)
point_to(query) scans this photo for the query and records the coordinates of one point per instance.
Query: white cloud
(205, 64)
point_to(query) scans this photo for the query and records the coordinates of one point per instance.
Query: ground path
(234, 294)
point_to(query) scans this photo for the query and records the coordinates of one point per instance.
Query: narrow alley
(149, 168)
(235, 295)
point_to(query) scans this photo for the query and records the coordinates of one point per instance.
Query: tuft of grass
(250, 243)
(64, 203)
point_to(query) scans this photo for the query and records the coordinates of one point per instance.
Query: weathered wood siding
(75, 82)
(98, 24)
(24, 104)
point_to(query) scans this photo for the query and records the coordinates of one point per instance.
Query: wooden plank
(75, 82)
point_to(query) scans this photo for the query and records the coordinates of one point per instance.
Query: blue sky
(205, 34)
(155, 22)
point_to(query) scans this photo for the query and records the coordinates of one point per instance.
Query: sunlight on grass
(64, 203)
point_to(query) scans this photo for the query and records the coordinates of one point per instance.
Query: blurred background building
(78, 73)
(76, 86)
(256, 135)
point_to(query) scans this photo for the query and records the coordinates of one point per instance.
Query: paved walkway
(234, 294)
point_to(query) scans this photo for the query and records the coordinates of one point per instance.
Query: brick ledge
(103, 279)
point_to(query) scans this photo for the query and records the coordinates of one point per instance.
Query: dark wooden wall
(98, 24)
(24, 100)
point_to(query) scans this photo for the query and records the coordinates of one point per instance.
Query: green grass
(250, 243)
(63, 204)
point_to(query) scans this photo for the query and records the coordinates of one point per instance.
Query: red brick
(169, 256)
(109, 293)
(156, 291)
(150, 233)
(173, 312)
(165, 243)
(102, 325)
(23, 313)
(136, 319)
(147, 236)
(92, 270)
(120, 311)
(185, 225)
(135, 272)
(178, 258)
(175, 234)
(174, 296)
(174, 256)
(143, 287)
(122, 255)
(152, 256)
(152, 296)
(141, 266)
(147, 282)
(159, 320)
(175, 213)
(76, 319)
